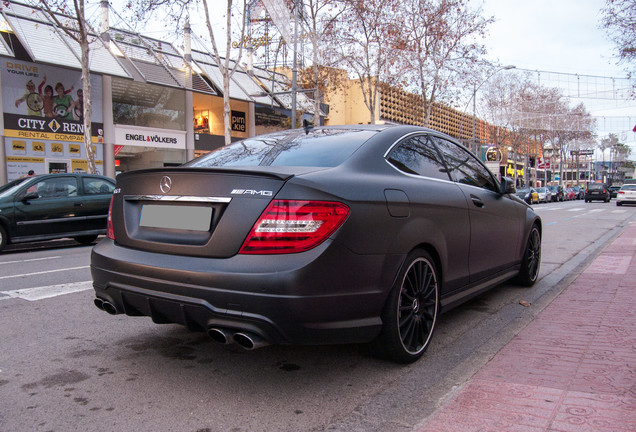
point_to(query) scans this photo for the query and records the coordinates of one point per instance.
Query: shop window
(141, 104)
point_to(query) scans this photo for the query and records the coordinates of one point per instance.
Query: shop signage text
(151, 138)
(238, 121)
(148, 137)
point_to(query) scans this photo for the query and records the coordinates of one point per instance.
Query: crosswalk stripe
(39, 293)
(43, 272)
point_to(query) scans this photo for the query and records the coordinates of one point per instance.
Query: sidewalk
(571, 369)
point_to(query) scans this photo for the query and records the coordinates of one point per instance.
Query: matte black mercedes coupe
(326, 235)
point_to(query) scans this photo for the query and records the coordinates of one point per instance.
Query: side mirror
(507, 186)
(30, 196)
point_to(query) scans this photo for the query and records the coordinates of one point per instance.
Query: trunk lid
(194, 212)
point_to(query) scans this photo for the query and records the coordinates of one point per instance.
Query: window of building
(140, 104)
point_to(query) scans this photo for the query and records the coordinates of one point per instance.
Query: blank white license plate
(176, 217)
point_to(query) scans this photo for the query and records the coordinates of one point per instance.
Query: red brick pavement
(573, 368)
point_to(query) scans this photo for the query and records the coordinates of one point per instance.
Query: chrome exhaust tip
(221, 336)
(99, 303)
(109, 307)
(249, 341)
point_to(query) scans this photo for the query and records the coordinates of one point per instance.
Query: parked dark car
(557, 193)
(614, 191)
(597, 191)
(53, 206)
(345, 234)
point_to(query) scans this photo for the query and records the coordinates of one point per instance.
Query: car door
(437, 209)
(496, 220)
(51, 207)
(97, 192)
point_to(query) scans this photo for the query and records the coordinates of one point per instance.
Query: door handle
(80, 204)
(479, 203)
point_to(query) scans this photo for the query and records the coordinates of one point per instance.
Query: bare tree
(72, 20)
(441, 48)
(360, 44)
(504, 111)
(177, 11)
(619, 20)
(320, 18)
(226, 66)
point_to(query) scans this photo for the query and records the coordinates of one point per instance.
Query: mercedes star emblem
(165, 184)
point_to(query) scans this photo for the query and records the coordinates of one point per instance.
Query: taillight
(109, 222)
(621, 192)
(294, 226)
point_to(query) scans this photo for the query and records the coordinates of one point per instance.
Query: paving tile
(572, 369)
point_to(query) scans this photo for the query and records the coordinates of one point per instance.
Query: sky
(563, 36)
(553, 35)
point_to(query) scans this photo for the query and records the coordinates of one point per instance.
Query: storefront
(150, 106)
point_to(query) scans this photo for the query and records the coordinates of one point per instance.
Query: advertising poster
(43, 119)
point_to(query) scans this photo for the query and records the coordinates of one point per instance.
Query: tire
(531, 262)
(85, 240)
(411, 311)
(4, 238)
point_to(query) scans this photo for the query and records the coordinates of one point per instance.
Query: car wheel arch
(432, 251)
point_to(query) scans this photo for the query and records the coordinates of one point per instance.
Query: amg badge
(251, 192)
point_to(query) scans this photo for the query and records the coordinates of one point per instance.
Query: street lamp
(474, 99)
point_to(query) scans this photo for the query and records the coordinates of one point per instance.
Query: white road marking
(39, 293)
(30, 260)
(43, 272)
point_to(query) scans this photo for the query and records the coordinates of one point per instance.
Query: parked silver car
(545, 195)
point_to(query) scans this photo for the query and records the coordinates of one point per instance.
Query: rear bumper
(326, 295)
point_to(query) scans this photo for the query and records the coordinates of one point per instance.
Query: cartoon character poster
(48, 92)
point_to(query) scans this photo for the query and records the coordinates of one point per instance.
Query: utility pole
(295, 66)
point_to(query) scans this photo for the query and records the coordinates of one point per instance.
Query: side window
(57, 187)
(417, 155)
(464, 167)
(96, 186)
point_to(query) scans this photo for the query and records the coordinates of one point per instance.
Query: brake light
(294, 226)
(109, 222)
(621, 192)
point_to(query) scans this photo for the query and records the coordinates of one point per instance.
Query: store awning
(47, 44)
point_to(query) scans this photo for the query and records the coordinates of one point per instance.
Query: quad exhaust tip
(106, 306)
(246, 340)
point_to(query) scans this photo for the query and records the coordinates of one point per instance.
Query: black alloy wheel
(3, 238)
(531, 262)
(411, 312)
(85, 240)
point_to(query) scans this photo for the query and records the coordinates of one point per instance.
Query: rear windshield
(316, 148)
(631, 187)
(596, 186)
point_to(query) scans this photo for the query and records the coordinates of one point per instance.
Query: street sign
(582, 152)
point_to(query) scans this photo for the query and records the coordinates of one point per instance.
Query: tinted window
(319, 148)
(55, 187)
(464, 167)
(417, 155)
(96, 186)
(596, 186)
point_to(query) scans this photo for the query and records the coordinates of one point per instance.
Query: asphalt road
(67, 366)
